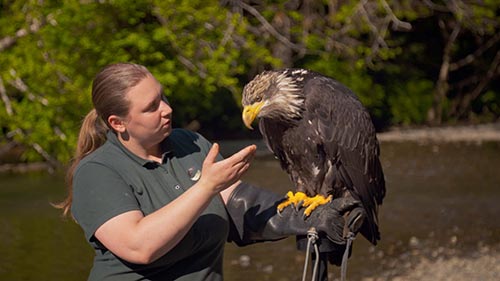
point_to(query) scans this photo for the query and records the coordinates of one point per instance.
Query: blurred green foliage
(389, 52)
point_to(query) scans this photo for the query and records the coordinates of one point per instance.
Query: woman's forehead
(146, 90)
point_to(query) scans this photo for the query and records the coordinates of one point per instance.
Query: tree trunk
(435, 114)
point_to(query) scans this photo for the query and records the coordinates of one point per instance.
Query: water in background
(442, 201)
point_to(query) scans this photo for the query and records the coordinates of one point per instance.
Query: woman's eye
(153, 107)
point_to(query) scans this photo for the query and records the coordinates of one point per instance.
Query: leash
(343, 268)
(312, 237)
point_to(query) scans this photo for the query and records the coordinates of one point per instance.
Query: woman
(158, 203)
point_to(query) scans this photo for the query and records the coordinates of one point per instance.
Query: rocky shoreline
(467, 133)
(444, 264)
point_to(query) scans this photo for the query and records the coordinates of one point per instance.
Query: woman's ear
(117, 123)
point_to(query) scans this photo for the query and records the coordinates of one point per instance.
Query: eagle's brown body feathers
(321, 134)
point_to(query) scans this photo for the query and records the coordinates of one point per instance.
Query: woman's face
(149, 120)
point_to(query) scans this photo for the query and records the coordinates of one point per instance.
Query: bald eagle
(323, 137)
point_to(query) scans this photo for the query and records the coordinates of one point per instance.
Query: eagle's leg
(300, 199)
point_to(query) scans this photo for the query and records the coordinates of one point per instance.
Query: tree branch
(269, 28)
(398, 24)
(493, 71)
(5, 98)
(8, 41)
(435, 7)
(375, 31)
(53, 163)
(183, 60)
(442, 86)
(19, 84)
(229, 30)
(38, 148)
(470, 58)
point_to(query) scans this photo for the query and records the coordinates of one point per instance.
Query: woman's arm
(143, 239)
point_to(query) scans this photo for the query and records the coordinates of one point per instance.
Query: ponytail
(92, 135)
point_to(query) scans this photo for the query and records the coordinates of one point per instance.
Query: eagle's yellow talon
(300, 199)
(313, 202)
(287, 202)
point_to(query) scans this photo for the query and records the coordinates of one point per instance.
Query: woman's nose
(165, 108)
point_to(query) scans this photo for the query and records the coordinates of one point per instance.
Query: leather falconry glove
(254, 218)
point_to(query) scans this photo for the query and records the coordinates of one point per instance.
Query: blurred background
(426, 65)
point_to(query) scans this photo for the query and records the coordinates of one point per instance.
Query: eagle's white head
(275, 94)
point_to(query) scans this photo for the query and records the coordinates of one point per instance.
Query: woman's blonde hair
(109, 90)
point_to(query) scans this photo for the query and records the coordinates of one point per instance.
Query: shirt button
(177, 186)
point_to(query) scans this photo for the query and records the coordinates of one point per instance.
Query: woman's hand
(220, 175)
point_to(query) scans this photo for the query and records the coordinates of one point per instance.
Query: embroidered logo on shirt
(194, 174)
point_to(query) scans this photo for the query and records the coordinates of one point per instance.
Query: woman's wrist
(207, 188)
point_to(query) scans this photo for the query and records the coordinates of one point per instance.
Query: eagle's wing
(349, 140)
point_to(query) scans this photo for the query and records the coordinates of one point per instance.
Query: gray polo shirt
(112, 180)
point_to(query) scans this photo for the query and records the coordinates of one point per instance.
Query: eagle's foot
(311, 203)
(300, 199)
(296, 199)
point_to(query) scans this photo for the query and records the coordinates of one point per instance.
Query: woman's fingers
(212, 154)
(223, 173)
(244, 155)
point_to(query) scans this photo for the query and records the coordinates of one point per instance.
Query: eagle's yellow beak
(250, 112)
